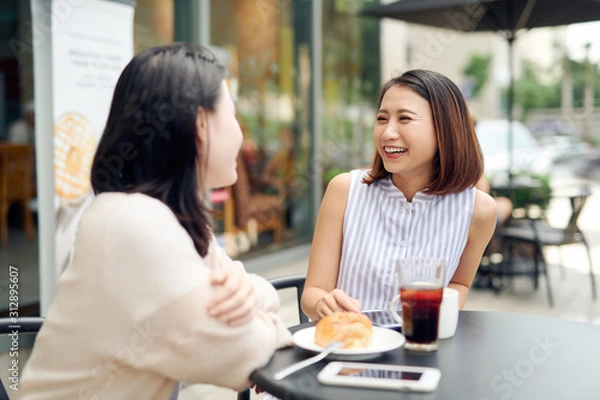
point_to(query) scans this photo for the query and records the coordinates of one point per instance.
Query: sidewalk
(570, 282)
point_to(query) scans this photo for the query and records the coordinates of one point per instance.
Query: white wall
(544, 47)
(445, 51)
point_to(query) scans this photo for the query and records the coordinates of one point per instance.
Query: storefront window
(18, 217)
(267, 46)
(153, 25)
(351, 79)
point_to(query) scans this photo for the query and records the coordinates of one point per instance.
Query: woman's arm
(163, 287)
(264, 294)
(189, 345)
(320, 297)
(481, 229)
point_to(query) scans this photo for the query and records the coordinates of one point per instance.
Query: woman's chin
(228, 182)
(222, 181)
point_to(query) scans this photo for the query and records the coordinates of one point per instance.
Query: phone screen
(382, 318)
(381, 374)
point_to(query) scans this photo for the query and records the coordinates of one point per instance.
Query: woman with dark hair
(417, 200)
(149, 298)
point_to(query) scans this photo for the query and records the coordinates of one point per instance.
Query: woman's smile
(393, 152)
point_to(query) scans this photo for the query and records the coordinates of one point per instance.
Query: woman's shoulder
(134, 224)
(338, 188)
(342, 179)
(345, 179)
(343, 183)
(129, 211)
(127, 203)
(484, 209)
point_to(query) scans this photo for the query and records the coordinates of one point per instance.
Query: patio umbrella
(503, 16)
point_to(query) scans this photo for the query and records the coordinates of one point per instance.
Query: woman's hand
(234, 300)
(336, 300)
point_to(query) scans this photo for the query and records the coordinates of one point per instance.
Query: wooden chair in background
(16, 186)
(244, 207)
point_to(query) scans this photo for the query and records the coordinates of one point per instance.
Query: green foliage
(532, 93)
(351, 52)
(478, 69)
(578, 71)
(332, 172)
(527, 190)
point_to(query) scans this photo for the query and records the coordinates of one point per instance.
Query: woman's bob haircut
(150, 144)
(458, 163)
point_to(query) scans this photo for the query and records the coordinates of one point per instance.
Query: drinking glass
(421, 284)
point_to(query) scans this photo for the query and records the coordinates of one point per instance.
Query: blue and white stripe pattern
(382, 227)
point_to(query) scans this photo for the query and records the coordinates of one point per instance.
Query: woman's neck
(409, 187)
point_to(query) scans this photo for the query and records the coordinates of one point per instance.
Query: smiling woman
(405, 138)
(417, 199)
(418, 102)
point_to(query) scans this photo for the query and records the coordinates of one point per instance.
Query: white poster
(92, 41)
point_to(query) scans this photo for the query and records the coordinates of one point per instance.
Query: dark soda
(421, 312)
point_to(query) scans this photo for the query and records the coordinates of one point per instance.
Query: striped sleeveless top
(382, 227)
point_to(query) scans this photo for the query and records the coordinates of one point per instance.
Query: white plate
(383, 340)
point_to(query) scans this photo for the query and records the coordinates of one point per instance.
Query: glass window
(18, 216)
(351, 79)
(268, 51)
(153, 25)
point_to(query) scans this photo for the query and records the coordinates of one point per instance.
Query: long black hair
(150, 144)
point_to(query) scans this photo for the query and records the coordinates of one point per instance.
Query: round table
(493, 355)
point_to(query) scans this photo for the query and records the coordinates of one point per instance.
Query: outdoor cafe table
(493, 355)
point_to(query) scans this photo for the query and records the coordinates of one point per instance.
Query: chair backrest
(23, 325)
(265, 210)
(292, 281)
(29, 325)
(16, 171)
(285, 282)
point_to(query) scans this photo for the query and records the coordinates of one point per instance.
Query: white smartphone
(383, 318)
(380, 376)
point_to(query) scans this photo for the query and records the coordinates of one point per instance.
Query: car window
(493, 137)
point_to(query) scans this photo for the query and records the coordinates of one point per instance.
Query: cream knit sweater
(129, 318)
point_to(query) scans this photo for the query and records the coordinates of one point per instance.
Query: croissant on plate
(354, 329)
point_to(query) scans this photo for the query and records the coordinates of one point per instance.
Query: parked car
(590, 166)
(564, 148)
(531, 164)
(529, 159)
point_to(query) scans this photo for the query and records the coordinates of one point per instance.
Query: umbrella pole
(510, 103)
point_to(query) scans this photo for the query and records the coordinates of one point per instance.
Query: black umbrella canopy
(489, 15)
